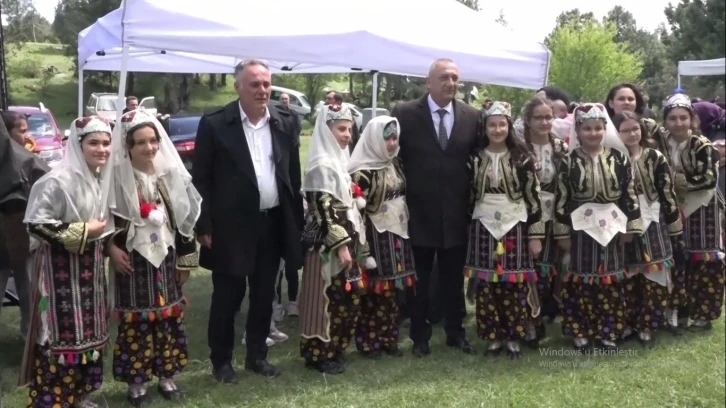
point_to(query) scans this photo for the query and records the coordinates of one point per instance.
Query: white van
(298, 101)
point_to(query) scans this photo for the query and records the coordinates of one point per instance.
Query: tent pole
(80, 91)
(374, 94)
(679, 81)
(120, 102)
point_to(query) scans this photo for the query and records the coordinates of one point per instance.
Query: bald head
(443, 81)
(285, 99)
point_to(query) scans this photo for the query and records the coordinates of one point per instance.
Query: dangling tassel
(646, 257)
(95, 355)
(500, 248)
(152, 316)
(83, 359)
(129, 317)
(62, 360)
(500, 270)
(512, 278)
(509, 245)
(43, 304)
(654, 268)
(161, 301)
(347, 286)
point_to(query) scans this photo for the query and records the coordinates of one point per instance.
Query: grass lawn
(680, 372)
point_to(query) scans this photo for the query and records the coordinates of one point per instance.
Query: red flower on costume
(145, 209)
(357, 192)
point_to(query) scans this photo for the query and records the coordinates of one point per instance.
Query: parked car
(104, 105)
(182, 130)
(298, 101)
(44, 129)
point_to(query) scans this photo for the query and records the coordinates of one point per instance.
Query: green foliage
(515, 96)
(587, 62)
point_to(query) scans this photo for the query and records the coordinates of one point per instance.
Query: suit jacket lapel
(458, 116)
(425, 114)
(278, 148)
(236, 141)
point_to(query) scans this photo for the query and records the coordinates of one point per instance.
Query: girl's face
(497, 129)
(145, 147)
(624, 100)
(20, 131)
(342, 131)
(678, 121)
(630, 133)
(391, 143)
(541, 121)
(96, 148)
(591, 133)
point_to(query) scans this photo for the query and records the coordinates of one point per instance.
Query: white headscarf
(71, 192)
(371, 153)
(587, 111)
(185, 200)
(327, 168)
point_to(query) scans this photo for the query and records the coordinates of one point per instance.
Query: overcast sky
(532, 19)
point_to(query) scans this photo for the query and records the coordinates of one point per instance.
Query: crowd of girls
(617, 231)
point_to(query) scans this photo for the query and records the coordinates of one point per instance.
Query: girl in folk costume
(65, 216)
(335, 233)
(378, 172)
(548, 150)
(698, 290)
(156, 207)
(649, 260)
(595, 202)
(505, 234)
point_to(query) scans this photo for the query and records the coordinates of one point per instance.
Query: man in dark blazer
(438, 133)
(247, 170)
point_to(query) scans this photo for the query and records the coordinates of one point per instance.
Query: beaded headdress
(90, 124)
(339, 112)
(594, 111)
(135, 118)
(678, 100)
(498, 108)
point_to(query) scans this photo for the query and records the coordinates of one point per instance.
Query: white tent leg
(80, 92)
(121, 102)
(374, 99)
(679, 81)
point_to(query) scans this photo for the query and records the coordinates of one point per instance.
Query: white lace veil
(596, 111)
(71, 192)
(185, 200)
(327, 168)
(370, 153)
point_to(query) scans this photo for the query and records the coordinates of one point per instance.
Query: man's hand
(182, 276)
(120, 259)
(206, 241)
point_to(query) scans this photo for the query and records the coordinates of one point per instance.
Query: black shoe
(330, 367)
(394, 352)
(225, 374)
(493, 352)
(341, 360)
(421, 349)
(648, 344)
(532, 344)
(514, 355)
(700, 328)
(462, 345)
(540, 331)
(674, 330)
(263, 368)
(371, 355)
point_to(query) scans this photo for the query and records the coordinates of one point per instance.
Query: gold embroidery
(73, 238)
(164, 193)
(675, 228)
(634, 226)
(537, 230)
(328, 215)
(190, 261)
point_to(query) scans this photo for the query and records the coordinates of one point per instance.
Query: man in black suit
(247, 170)
(438, 133)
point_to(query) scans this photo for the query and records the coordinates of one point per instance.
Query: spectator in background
(291, 274)
(554, 94)
(132, 103)
(17, 126)
(330, 98)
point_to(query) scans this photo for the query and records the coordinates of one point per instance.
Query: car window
(40, 125)
(148, 103)
(275, 95)
(183, 126)
(92, 101)
(107, 104)
(294, 100)
(304, 101)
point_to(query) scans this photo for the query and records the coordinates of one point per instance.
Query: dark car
(43, 128)
(182, 130)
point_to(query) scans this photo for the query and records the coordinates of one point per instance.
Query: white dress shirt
(259, 141)
(448, 118)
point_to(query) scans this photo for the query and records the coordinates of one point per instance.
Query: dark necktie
(442, 136)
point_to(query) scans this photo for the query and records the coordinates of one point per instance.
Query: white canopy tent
(702, 67)
(359, 35)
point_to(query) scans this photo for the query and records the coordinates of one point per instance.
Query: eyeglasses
(630, 131)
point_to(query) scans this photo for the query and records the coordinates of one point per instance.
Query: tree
(24, 24)
(587, 62)
(572, 18)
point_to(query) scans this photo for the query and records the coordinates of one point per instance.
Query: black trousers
(229, 292)
(293, 282)
(451, 294)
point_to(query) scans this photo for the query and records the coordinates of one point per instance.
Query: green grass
(679, 372)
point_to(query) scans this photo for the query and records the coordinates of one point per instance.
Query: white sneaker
(269, 341)
(278, 312)
(292, 309)
(276, 335)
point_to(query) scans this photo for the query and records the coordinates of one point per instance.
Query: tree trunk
(350, 87)
(223, 80)
(388, 90)
(130, 83)
(197, 79)
(212, 82)
(171, 100)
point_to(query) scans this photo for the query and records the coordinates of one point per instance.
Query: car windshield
(39, 125)
(304, 100)
(107, 104)
(183, 126)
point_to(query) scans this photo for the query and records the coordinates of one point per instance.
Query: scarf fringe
(706, 256)
(595, 280)
(162, 313)
(547, 270)
(501, 276)
(75, 357)
(654, 267)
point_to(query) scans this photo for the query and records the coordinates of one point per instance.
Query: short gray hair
(440, 61)
(239, 68)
